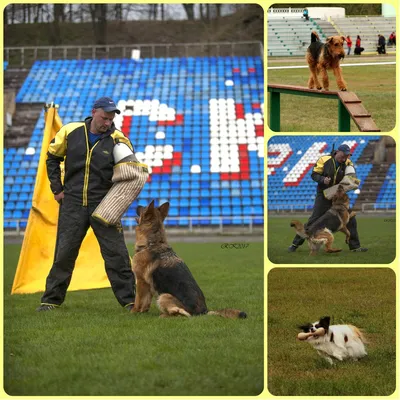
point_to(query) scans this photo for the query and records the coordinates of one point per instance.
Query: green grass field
(374, 85)
(92, 346)
(364, 297)
(378, 234)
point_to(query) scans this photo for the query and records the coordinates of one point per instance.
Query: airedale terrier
(321, 57)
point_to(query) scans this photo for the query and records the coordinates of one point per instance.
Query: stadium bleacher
(367, 27)
(290, 162)
(290, 36)
(387, 194)
(197, 122)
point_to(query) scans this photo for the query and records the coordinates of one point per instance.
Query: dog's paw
(343, 89)
(319, 87)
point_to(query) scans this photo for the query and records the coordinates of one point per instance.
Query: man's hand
(59, 197)
(327, 180)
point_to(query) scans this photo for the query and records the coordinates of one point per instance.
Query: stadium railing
(378, 207)
(24, 57)
(304, 208)
(249, 225)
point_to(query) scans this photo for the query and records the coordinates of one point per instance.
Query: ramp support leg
(344, 118)
(275, 111)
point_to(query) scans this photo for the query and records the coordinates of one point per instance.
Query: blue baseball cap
(107, 104)
(345, 149)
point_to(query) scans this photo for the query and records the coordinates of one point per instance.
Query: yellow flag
(39, 243)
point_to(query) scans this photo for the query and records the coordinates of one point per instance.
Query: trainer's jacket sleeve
(119, 137)
(318, 169)
(55, 156)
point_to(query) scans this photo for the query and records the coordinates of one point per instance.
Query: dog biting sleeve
(348, 183)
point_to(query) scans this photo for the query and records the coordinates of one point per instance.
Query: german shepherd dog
(158, 270)
(334, 220)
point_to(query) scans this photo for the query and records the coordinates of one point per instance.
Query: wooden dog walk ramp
(361, 117)
(349, 107)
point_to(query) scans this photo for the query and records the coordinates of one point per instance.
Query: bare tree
(189, 8)
(70, 13)
(162, 6)
(153, 11)
(218, 9)
(99, 22)
(59, 16)
(118, 12)
(37, 15)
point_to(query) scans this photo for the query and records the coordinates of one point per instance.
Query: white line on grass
(342, 65)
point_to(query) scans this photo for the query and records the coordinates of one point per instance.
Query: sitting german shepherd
(159, 270)
(334, 220)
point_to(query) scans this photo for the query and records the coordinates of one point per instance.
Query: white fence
(193, 225)
(304, 208)
(23, 57)
(313, 12)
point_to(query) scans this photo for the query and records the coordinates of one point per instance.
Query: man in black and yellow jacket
(328, 171)
(87, 151)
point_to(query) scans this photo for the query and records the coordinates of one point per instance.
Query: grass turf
(92, 346)
(378, 234)
(364, 297)
(375, 86)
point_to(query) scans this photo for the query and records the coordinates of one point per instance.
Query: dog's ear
(329, 39)
(325, 322)
(343, 39)
(148, 211)
(305, 328)
(137, 220)
(139, 210)
(164, 208)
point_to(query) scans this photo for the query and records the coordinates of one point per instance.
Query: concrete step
(23, 123)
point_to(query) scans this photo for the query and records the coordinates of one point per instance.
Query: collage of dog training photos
(199, 199)
(331, 199)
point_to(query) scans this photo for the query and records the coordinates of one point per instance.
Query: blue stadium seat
(194, 91)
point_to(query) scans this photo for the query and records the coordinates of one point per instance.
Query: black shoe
(292, 248)
(47, 307)
(360, 249)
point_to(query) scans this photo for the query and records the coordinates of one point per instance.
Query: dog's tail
(314, 37)
(229, 313)
(299, 228)
(359, 333)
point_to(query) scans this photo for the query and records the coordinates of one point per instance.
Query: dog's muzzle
(128, 179)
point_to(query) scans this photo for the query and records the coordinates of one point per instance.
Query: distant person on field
(305, 14)
(358, 50)
(349, 44)
(381, 44)
(392, 39)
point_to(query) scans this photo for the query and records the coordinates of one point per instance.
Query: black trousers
(321, 206)
(358, 50)
(73, 222)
